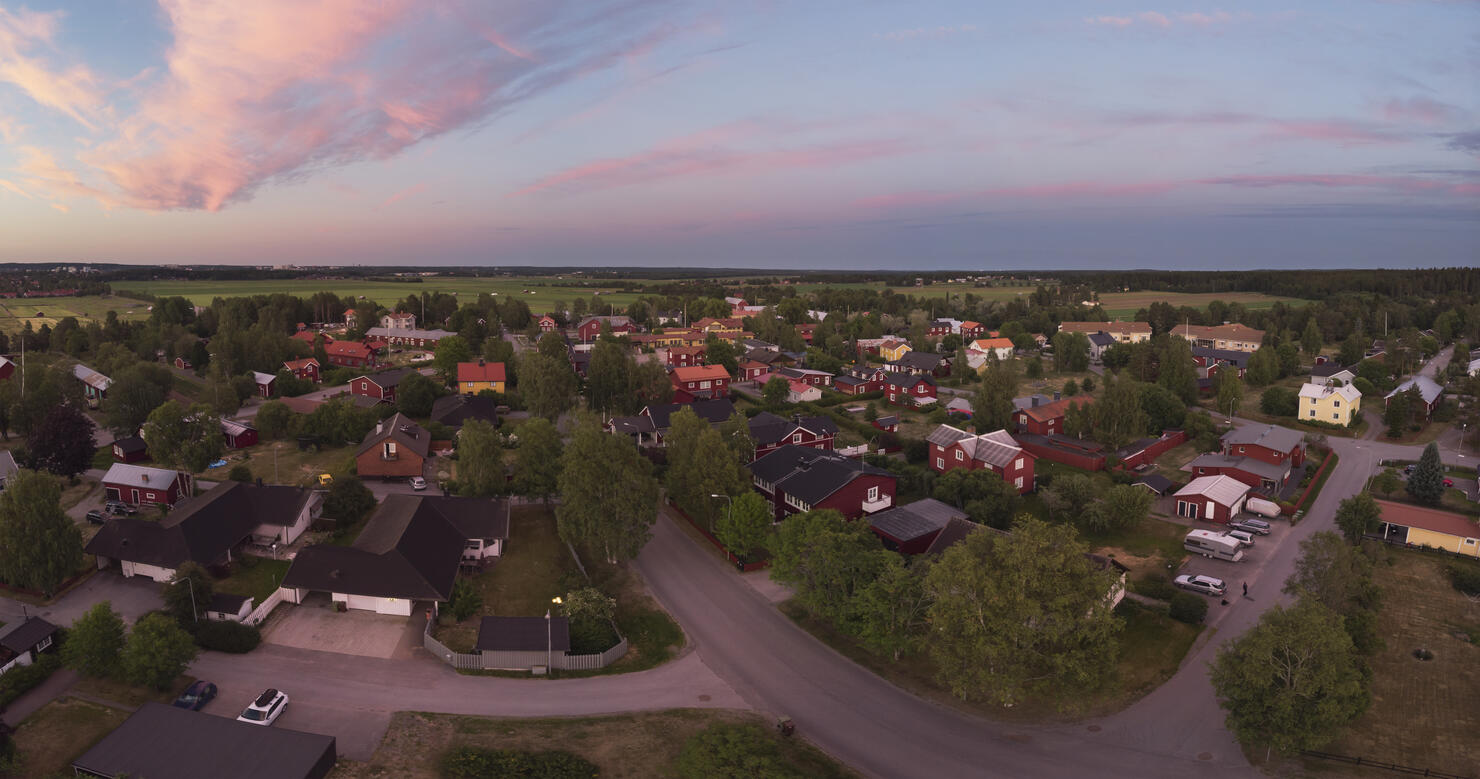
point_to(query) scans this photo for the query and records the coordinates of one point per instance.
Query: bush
(1465, 577)
(1154, 586)
(232, 637)
(21, 679)
(480, 763)
(732, 752)
(916, 451)
(240, 473)
(1189, 608)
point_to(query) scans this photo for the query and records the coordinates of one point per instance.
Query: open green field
(539, 293)
(1126, 304)
(14, 313)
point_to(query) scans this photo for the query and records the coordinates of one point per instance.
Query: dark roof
(226, 603)
(410, 548)
(523, 634)
(1236, 359)
(388, 379)
(1059, 441)
(1155, 482)
(891, 419)
(202, 528)
(1273, 437)
(454, 410)
(1101, 339)
(27, 635)
(907, 379)
(809, 474)
(711, 411)
(768, 428)
(920, 361)
(631, 425)
(365, 401)
(1328, 368)
(921, 518)
(954, 532)
(130, 444)
(1251, 465)
(162, 742)
(402, 430)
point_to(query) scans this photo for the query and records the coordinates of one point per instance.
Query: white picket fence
(260, 613)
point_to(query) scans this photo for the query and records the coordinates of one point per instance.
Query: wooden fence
(521, 661)
(1368, 763)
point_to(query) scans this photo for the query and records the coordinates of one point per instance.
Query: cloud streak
(73, 91)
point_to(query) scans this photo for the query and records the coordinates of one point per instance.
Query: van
(1244, 537)
(1216, 545)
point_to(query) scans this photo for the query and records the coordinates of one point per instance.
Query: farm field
(539, 293)
(14, 313)
(1126, 304)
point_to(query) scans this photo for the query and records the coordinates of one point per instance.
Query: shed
(265, 383)
(1155, 483)
(1212, 498)
(911, 528)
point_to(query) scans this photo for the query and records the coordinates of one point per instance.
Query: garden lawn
(59, 732)
(256, 577)
(636, 745)
(293, 466)
(1123, 305)
(130, 696)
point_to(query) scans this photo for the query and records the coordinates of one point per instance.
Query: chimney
(379, 427)
(145, 477)
(797, 418)
(1033, 399)
(1056, 396)
(480, 362)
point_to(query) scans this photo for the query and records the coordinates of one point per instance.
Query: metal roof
(1224, 490)
(1426, 387)
(1273, 437)
(911, 521)
(162, 742)
(140, 476)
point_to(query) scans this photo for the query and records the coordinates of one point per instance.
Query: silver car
(1206, 585)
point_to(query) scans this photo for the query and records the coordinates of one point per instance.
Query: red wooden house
(952, 448)
(1212, 498)
(795, 479)
(910, 529)
(183, 364)
(137, 484)
(905, 389)
(266, 383)
(381, 386)
(1271, 443)
(750, 370)
(238, 435)
(699, 382)
(1047, 419)
(889, 424)
(349, 354)
(548, 324)
(590, 327)
(771, 432)
(130, 449)
(971, 331)
(306, 369)
(685, 356)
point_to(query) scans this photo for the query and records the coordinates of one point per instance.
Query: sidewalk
(54, 687)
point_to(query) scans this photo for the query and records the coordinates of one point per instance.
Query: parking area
(132, 598)
(1246, 571)
(356, 732)
(314, 625)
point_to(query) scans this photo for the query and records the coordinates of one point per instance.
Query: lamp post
(729, 504)
(194, 612)
(550, 637)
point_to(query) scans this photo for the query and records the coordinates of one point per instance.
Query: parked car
(1408, 469)
(326, 479)
(119, 507)
(1256, 526)
(196, 696)
(1449, 482)
(266, 709)
(418, 483)
(1206, 585)
(96, 517)
(1244, 537)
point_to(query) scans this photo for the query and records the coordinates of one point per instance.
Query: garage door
(365, 602)
(398, 606)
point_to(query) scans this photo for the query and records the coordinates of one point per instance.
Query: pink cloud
(1401, 184)
(275, 90)
(66, 209)
(1418, 109)
(1205, 20)
(73, 91)
(414, 189)
(1109, 21)
(1343, 131)
(11, 185)
(1155, 18)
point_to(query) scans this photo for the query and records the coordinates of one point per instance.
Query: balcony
(878, 504)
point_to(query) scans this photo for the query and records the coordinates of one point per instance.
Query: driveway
(314, 625)
(132, 598)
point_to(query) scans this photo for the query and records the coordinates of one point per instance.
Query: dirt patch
(1140, 566)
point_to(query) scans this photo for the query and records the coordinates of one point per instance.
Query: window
(364, 385)
(1018, 482)
(796, 438)
(1018, 465)
(873, 493)
(1336, 403)
(960, 455)
(940, 463)
(1336, 416)
(1312, 412)
(703, 385)
(46, 642)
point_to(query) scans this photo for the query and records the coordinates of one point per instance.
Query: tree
(1021, 615)
(537, 460)
(1071, 388)
(39, 545)
(1426, 484)
(608, 376)
(1279, 402)
(1230, 390)
(1264, 367)
(590, 612)
(348, 501)
(1177, 372)
(134, 393)
(95, 642)
(1122, 506)
(188, 593)
(701, 465)
(1339, 577)
(63, 443)
(1069, 496)
(1357, 516)
(1310, 340)
(1070, 351)
(189, 439)
(609, 495)
(450, 351)
(891, 608)
(1293, 681)
(992, 404)
(745, 526)
(546, 384)
(983, 495)
(157, 651)
(465, 600)
(480, 461)
(416, 394)
(1118, 417)
(718, 351)
(1164, 410)
(774, 392)
(730, 751)
(1352, 350)
(827, 560)
(275, 420)
(1395, 415)
(650, 387)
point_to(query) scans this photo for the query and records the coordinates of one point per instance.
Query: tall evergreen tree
(1426, 485)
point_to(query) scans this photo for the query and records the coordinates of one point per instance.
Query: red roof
(1057, 408)
(686, 349)
(347, 349)
(1429, 519)
(700, 373)
(308, 336)
(480, 371)
(298, 365)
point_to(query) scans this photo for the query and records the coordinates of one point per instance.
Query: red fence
(1315, 481)
(745, 567)
(1169, 439)
(1080, 459)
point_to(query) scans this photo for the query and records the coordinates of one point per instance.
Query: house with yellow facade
(474, 377)
(893, 349)
(1423, 526)
(1325, 403)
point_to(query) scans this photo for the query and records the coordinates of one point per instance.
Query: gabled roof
(995, 448)
(919, 361)
(523, 634)
(91, 377)
(768, 428)
(1101, 339)
(1155, 482)
(989, 344)
(387, 379)
(809, 474)
(141, 476)
(1426, 387)
(263, 378)
(1027, 401)
(1272, 437)
(1224, 490)
(408, 332)
(8, 466)
(1231, 331)
(1129, 328)
(614, 321)
(202, 528)
(402, 430)
(914, 520)
(1328, 368)
(480, 371)
(298, 365)
(347, 349)
(900, 379)
(1057, 408)
(27, 634)
(701, 373)
(162, 742)
(410, 548)
(1317, 391)
(127, 445)
(1430, 519)
(711, 411)
(954, 532)
(454, 410)
(1252, 465)
(1235, 358)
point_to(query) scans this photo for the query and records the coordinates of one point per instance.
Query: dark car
(196, 696)
(96, 517)
(119, 507)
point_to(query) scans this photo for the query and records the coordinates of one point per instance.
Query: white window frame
(960, 455)
(1018, 464)
(940, 463)
(873, 493)
(796, 438)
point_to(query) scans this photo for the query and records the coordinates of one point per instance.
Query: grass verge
(637, 745)
(59, 732)
(255, 577)
(128, 695)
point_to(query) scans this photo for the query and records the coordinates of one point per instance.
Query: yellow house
(474, 377)
(719, 326)
(893, 349)
(1335, 405)
(1423, 526)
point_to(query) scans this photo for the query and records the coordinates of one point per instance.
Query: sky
(786, 135)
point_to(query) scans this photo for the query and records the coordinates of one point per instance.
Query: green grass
(544, 292)
(130, 695)
(1148, 537)
(1124, 305)
(256, 577)
(59, 732)
(1152, 646)
(15, 313)
(290, 465)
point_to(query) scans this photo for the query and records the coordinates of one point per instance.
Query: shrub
(1464, 577)
(732, 752)
(240, 473)
(21, 679)
(1155, 586)
(480, 763)
(232, 637)
(1189, 608)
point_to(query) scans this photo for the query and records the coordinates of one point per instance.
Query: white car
(266, 709)
(418, 483)
(1206, 585)
(1244, 537)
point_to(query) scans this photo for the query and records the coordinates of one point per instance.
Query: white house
(801, 392)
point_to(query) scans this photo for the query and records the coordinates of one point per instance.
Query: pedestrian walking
(1246, 589)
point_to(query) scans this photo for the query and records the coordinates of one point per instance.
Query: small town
(654, 390)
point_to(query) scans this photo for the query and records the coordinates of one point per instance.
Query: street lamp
(729, 504)
(550, 637)
(194, 612)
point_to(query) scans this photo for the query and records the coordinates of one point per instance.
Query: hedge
(223, 636)
(1189, 608)
(22, 679)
